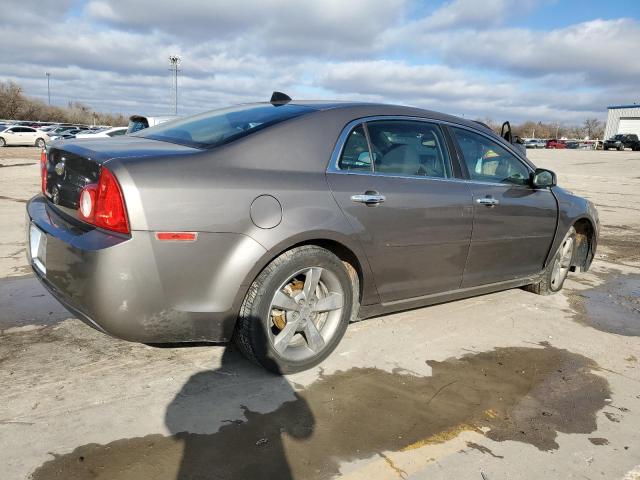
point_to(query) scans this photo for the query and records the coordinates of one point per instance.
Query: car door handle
(488, 201)
(368, 198)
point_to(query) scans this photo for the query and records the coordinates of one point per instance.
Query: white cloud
(458, 58)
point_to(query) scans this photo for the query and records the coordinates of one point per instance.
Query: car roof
(383, 109)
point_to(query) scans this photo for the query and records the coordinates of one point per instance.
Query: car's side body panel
(418, 239)
(512, 239)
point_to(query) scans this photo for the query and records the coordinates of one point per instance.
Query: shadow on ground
(522, 394)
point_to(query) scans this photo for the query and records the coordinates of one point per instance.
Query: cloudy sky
(504, 59)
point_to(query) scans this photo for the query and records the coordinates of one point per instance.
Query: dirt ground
(504, 386)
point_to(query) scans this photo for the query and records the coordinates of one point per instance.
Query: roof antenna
(279, 98)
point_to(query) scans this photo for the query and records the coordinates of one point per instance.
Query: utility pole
(48, 89)
(174, 68)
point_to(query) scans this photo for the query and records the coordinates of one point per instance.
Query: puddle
(521, 394)
(613, 306)
(25, 302)
(620, 249)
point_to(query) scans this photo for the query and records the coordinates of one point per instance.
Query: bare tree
(14, 105)
(593, 128)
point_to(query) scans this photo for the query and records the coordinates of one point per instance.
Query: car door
(23, 136)
(513, 223)
(29, 136)
(411, 216)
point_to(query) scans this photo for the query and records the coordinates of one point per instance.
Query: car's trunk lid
(72, 165)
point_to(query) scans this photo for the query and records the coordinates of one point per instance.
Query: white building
(622, 119)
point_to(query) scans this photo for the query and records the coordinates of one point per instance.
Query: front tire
(297, 310)
(40, 143)
(3, 142)
(556, 272)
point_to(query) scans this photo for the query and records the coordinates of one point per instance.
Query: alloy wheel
(562, 264)
(305, 313)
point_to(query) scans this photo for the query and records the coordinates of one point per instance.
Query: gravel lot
(504, 386)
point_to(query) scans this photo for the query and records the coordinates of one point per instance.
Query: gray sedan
(276, 224)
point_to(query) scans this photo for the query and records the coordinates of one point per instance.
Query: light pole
(174, 63)
(48, 89)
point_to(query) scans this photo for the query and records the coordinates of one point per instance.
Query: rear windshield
(218, 127)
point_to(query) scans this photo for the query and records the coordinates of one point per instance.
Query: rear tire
(297, 310)
(40, 143)
(556, 272)
(3, 142)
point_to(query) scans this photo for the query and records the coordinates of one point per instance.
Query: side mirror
(543, 178)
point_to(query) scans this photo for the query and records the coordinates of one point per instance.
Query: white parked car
(19, 135)
(109, 132)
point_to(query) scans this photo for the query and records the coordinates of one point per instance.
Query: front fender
(574, 210)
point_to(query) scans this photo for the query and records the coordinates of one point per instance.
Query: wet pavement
(613, 306)
(520, 394)
(26, 302)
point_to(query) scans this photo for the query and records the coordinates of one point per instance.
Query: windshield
(218, 127)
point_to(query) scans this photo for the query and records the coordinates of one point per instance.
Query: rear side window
(488, 161)
(355, 154)
(410, 148)
(218, 127)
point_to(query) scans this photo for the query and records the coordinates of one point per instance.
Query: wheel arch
(585, 244)
(348, 251)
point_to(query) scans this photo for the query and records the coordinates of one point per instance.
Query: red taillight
(102, 204)
(43, 170)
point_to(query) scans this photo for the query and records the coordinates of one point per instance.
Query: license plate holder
(38, 248)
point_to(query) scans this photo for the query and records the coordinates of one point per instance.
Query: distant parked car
(109, 132)
(65, 134)
(60, 129)
(17, 135)
(622, 141)
(558, 144)
(573, 145)
(535, 143)
(140, 122)
(48, 128)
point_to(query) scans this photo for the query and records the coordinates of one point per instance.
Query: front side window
(488, 161)
(408, 148)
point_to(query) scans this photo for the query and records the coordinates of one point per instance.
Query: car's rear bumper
(139, 288)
